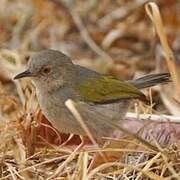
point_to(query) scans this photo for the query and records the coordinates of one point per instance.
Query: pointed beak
(24, 74)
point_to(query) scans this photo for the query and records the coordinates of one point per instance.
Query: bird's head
(49, 69)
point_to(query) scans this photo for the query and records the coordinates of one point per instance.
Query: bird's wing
(106, 90)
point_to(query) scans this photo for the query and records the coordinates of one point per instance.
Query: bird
(99, 97)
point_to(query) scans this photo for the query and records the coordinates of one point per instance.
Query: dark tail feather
(151, 80)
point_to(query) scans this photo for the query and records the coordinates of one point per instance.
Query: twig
(153, 117)
(63, 165)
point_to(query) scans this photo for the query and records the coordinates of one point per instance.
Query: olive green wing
(107, 89)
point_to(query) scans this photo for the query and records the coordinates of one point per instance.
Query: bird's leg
(81, 144)
(69, 138)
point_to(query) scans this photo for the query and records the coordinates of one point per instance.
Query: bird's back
(85, 74)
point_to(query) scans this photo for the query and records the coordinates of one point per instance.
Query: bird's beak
(24, 74)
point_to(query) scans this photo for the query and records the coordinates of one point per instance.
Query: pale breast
(58, 115)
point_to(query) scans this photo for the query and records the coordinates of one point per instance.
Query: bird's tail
(151, 80)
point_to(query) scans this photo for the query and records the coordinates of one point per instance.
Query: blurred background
(113, 37)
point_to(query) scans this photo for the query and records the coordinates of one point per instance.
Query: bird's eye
(46, 70)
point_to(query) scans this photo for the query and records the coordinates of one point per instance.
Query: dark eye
(46, 70)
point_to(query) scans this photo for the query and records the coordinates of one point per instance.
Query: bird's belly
(94, 117)
(63, 120)
(98, 117)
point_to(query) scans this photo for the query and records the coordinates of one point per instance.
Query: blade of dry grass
(154, 14)
(148, 165)
(82, 166)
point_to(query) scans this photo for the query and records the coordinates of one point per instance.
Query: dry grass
(110, 39)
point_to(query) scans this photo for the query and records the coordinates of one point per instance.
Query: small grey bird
(98, 96)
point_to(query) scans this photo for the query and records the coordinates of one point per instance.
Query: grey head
(49, 70)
